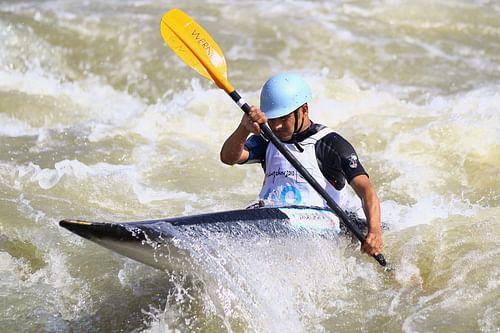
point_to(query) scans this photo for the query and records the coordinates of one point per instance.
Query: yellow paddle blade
(195, 47)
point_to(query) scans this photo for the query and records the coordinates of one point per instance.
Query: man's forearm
(233, 148)
(371, 207)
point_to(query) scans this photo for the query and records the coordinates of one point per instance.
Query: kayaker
(329, 158)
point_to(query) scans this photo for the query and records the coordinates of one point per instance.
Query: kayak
(165, 243)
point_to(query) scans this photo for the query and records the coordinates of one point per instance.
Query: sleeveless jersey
(283, 185)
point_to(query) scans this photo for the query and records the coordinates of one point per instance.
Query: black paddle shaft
(307, 176)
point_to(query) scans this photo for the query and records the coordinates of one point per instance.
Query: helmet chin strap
(296, 129)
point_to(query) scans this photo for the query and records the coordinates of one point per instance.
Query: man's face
(284, 126)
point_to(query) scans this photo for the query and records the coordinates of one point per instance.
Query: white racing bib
(283, 185)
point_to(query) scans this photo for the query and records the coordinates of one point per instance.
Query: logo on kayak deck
(353, 161)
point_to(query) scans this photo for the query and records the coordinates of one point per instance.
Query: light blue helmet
(283, 94)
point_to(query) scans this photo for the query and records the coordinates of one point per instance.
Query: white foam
(69, 294)
(337, 101)
(12, 270)
(94, 100)
(12, 127)
(76, 172)
(48, 178)
(146, 194)
(182, 116)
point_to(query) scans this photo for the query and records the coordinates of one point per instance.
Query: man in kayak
(329, 158)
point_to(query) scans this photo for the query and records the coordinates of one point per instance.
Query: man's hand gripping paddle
(197, 49)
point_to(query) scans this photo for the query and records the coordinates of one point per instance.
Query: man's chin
(284, 138)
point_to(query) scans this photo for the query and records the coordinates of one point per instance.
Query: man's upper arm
(338, 158)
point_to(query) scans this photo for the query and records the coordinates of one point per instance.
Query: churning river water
(100, 120)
